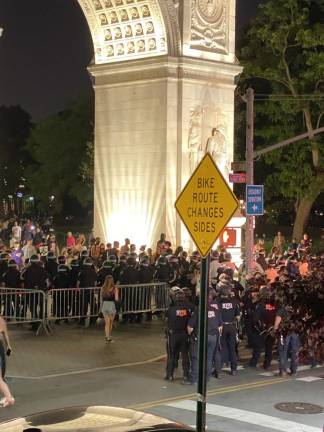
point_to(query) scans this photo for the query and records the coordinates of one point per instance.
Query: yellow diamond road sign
(206, 204)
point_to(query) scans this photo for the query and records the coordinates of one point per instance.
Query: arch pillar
(149, 108)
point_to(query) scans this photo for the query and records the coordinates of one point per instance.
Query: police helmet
(12, 263)
(224, 289)
(195, 256)
(105, 264)
(84, 254)
(173, 259)
(214, 254)
(112, 259)
(144, 261)
(229, 272)
(34, 259)
(74, 263)
(51, 255)
(131, 261)
(162, 261)
(62, 268)
(264, 293)
(88, 262)
(61, 259)
(122, 259)
(4, 256)
(179, 296)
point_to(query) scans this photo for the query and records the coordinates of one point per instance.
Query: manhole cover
(299, 408)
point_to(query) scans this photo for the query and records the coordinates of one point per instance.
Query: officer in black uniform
(120, 267)
(51, 267)
(61, 305)
(35, 278)
(84, 254)
(74, 294)
(129, 276)
(162, 270)
(215, 323)
(87, 278)
(230, 312)
(264, 315)
(11, 279)
(174, 271)
(145, 276)
(178, 316)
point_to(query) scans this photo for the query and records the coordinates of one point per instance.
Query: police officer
(177, 316)
(108, 268)
(74, 294)
(35, 278)
(61, 305)
(264, 314)
(51, 267)
(174, 271)
(230, 312)
(214, 323)
(120, 267)
(145, 271)
(87, 279)
(129, 276)
(11, 279)
(162, 270)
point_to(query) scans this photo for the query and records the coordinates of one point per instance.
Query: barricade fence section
(18, 306)
(80, 303)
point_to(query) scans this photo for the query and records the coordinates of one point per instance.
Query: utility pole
(249, 238)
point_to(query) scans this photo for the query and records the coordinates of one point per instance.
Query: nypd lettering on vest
(227, 305)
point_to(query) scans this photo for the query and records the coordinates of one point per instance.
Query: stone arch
(131, 29)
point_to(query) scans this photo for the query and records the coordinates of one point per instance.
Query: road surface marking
(245, 416)
(309, 379)
(214, 392)
(84, 371)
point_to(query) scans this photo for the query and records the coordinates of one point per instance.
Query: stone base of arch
(144, 114)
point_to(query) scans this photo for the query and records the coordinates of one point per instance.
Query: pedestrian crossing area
(221, 418)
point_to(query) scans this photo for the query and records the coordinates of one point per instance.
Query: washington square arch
(164, 73)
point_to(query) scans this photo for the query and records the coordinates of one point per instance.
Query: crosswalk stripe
(250, 417)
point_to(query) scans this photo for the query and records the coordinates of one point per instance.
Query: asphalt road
(246, 402)
(141, 387)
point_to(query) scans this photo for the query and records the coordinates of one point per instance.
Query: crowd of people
(278, 304)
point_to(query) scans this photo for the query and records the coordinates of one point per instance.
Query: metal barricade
(153, 297)
(84, 303)
(73, 303)
(20, 306)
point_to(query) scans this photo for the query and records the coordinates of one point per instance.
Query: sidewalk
(71, 348)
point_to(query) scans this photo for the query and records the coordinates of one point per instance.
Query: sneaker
(168, 378)
(5, 402)
(188, 382)
(233, 372)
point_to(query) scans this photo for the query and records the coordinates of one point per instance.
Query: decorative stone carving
(209, 22)
(116, 23)
(216, 146)
(194, 137)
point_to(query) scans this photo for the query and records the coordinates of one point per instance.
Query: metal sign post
(206, 204)
(202, 342)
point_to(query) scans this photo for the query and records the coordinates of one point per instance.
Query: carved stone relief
(209, 25)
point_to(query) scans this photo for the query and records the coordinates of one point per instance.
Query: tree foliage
(59, 146)
(15, 126)
(283, 53)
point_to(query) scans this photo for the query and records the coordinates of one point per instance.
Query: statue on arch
(194, 139)
(216, 146)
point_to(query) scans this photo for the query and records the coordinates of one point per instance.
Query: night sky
(45, 49)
